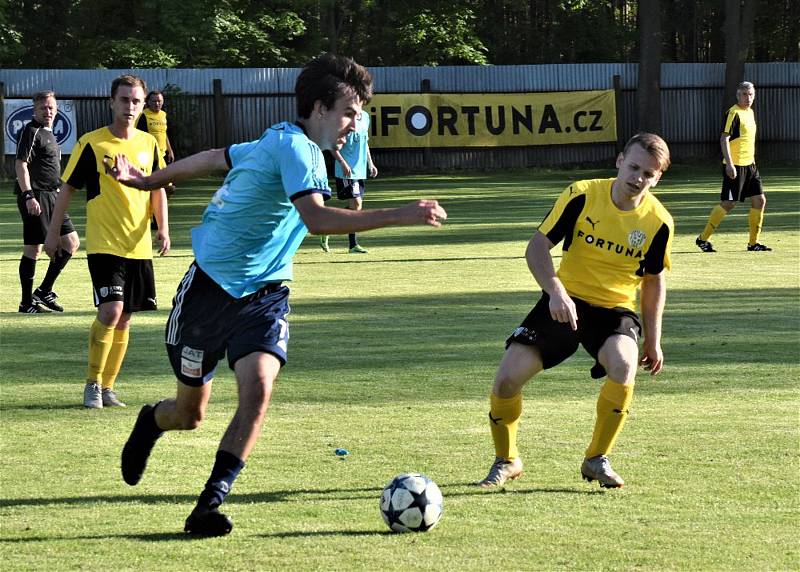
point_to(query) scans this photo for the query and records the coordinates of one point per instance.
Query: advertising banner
(491, 120)
(17, 114)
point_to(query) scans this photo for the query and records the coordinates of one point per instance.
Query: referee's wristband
(28, 195)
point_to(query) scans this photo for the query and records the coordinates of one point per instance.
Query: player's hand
(170, 156)
(52, 244)
(425, 211)
(164, 242)
(730, 171)
(346, 170)
(652, 358)
(373, 171)
(33, 206)
(123, 171)
(562, 309)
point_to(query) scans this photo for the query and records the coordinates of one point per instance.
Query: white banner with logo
(17, 114)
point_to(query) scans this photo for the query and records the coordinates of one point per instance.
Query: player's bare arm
(52, 243)
(540, 263)
(372, 170)
(197, 165)
(158, 202)
(725, 145)
(24, 178)
(653, 297)
(321, 219)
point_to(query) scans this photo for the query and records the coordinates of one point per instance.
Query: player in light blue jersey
(232, 300)
(353, 165)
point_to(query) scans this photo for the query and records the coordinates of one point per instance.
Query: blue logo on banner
(16, 122)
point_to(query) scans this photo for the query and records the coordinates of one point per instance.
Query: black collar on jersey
(301, 126)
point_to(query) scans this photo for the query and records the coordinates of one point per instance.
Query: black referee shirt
(39, 149)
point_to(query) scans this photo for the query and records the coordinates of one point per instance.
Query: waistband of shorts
(271, 287)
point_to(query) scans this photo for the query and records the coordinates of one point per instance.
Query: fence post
(427, 154)
(3, 130)
(618, 112)
(220, 121)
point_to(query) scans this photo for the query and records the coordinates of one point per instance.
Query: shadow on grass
(451, 490)
(419, 337)
(507, 206)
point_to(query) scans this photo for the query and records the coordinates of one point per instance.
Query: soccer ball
(411, 503)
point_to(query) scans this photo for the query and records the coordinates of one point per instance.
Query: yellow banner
(491, 119)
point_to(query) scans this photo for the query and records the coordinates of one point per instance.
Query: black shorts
(127, 280)
(350, 189)
(746, 184)
(34, 228)
(206, 323)
(556, 341)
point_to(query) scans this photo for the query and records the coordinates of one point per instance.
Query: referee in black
(38, 169)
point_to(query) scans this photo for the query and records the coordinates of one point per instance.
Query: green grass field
(392, 356)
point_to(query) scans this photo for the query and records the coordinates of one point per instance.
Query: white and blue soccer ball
(411, 503)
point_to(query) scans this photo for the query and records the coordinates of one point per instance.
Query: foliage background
(283, 33)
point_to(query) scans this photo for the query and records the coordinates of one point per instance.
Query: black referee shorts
(34, 227)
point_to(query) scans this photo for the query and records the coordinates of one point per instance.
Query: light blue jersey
(355, 150)
(251, 229)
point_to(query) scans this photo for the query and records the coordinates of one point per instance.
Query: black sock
(27, 270)
(56, 266)
(352, 238)
(148, 428)
(226, 469)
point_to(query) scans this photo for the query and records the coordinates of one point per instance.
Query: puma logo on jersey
(591, 222)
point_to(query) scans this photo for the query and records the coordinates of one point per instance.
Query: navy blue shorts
(556, 341)
(350, 188)
(206, 323)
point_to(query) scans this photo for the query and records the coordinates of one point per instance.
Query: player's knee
(70, 242)
(728, 205)
(109, 314)
(507, 384)
(32, 251)
(254, 404)
(621, 371)
(759, 202)
(190, 419)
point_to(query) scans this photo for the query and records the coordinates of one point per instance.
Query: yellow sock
(612, 409)
(115, 357)
(504, 417)
(101, 338)
(755, 218)
(714, 220)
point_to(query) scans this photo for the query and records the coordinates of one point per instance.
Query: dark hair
(327, 78)
(152, 93)
(129, 80)
(654, 145)
(42, 95)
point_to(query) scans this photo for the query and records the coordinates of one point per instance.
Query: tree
(739, 18)
(648, 92)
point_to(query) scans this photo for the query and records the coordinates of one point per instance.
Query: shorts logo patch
(191, 362)
(637, 238)
(103, 292)
(116, 290)
(525, 335)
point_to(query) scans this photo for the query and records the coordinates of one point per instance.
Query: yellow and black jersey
(740, 124)
(117, 217)
(154, 123)
(607, 251)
